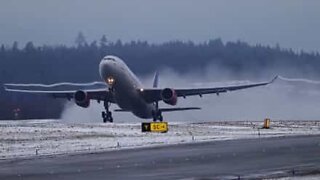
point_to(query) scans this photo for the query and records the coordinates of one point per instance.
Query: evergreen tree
(15, 46)
(80, 40)
(29, 47)
(2, 49)
(103, 42)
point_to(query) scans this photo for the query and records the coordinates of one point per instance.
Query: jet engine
(169, 96)
(81, 99)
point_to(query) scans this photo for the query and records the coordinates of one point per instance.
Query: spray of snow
(286, 98)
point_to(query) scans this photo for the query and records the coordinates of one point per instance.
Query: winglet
(156, 79)
(275, 78)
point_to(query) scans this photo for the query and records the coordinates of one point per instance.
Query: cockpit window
(109, 58)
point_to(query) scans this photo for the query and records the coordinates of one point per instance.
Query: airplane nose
(107, 71)
(106, 67)
(105, 62)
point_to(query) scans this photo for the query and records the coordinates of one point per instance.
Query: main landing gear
(156, 114)
(107, 115)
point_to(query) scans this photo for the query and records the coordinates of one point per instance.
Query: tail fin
(156, 79)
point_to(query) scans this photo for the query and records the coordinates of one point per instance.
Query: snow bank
(29, 138)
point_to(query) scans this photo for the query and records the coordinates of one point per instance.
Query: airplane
(123, 88)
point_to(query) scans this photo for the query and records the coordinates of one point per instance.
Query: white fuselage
(125, 86)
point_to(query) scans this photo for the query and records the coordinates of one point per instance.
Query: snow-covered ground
(48, 137)
(311, 177)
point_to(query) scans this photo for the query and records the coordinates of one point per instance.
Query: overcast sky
(291, 23)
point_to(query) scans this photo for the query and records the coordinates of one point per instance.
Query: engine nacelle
(81, 99)
(169, 96)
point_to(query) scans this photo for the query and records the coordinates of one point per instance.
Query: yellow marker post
(266, 124)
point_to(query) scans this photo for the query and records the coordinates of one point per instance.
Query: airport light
(110, 80)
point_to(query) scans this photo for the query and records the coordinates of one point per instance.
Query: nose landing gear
(107, 115)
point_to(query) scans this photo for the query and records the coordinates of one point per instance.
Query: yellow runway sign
(155, 127)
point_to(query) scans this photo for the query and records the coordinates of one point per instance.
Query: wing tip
(274, 79)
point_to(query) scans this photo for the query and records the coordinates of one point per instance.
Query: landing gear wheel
(157, 116)
(103, 114)
(106, 115)
(109, 117)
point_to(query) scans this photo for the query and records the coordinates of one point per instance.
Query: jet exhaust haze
(285, 99)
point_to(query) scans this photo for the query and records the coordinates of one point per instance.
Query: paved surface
(224, 159)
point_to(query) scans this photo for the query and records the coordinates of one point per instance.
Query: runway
(244, 158)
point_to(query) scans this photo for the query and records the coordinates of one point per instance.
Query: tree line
(79, 63)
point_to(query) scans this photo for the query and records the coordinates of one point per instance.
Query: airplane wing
(153, 95)
(165, 109)
(99, 94)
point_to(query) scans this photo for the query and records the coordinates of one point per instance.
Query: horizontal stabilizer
(121, 110)
(179, 109)
(165, 109)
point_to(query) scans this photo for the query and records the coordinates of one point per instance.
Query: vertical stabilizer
(155, 80)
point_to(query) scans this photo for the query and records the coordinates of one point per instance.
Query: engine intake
(81, 99)
(169, 96)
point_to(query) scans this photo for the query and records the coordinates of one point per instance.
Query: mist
(285, 99)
